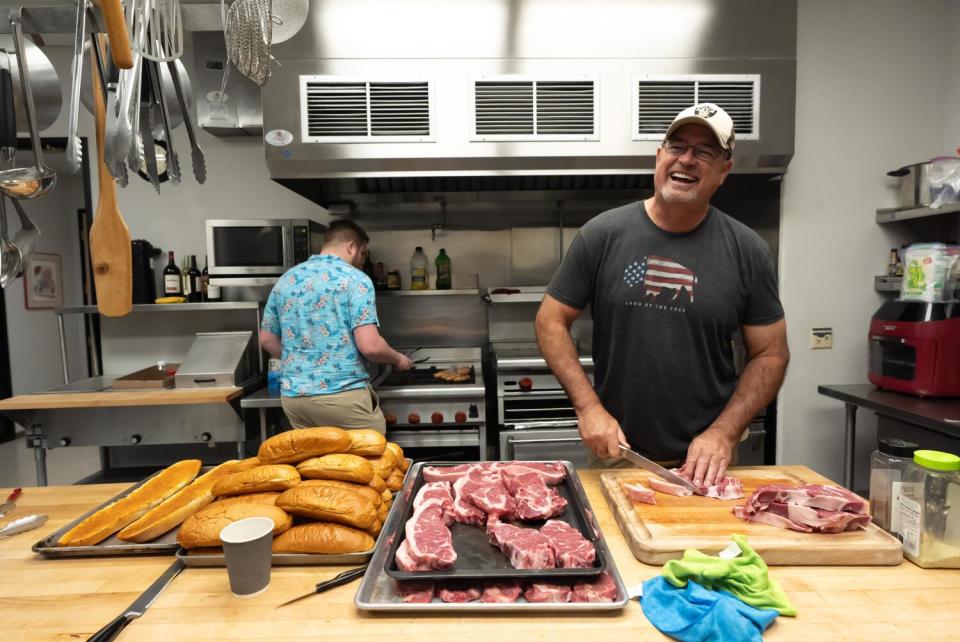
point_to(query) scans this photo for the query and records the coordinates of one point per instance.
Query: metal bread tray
(477, 558)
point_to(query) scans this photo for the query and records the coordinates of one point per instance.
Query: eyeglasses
(700, 152)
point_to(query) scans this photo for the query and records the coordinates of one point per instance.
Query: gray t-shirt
(665, 306)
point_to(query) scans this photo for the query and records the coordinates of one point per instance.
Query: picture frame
(43, 281)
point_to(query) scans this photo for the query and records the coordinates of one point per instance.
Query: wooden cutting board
(662, 532)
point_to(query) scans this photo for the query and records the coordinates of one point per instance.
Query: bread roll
(293, 446)
(384, 464)
(366, 491)
(351, 468)
(258, 480)
(251, 498)
(386, 495)
(378, 484)
(247, 464)
(382, 512)
(323, 538)
(395, 480)
(375, 527)
(397, 451)
(329, 505)
(128, 509)
(366, 441)
(180, 506)
(203, 527)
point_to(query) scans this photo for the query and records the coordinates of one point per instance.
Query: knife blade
(139, 605)
(343, 578)
(657, 469)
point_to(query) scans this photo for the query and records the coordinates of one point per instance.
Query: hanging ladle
(11, 260)
(26, 182)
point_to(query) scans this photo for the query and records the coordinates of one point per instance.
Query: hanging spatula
(110, 250)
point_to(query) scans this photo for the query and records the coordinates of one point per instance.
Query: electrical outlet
(821, 338)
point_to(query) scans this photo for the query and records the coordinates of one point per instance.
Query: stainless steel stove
(439, 403)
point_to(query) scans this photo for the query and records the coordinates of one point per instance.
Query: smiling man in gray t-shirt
(669, 280)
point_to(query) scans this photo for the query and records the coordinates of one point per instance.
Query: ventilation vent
(518, 109)
(658, 99)
(336, 110)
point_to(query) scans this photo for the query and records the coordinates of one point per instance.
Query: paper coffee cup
(247, 547)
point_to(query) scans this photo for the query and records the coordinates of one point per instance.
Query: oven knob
(474, 413)
(205, 436)
(460, 417)
(64, 441)
(526, 384)
(413, 418)
(391, 419)
(436, 418)
(135, 439)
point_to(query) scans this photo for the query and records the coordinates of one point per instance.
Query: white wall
(950, 82)
(871, 96)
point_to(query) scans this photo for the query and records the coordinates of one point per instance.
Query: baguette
(250, 498)
(351, 468)
(126, 510)
(258, 480)
(395, 480)
(203, 528)
(397, 451)
(329, 505)
(294, 446)
(366, 491)
(384, 464)
(180, 506)
(366, 442)
(323, 538)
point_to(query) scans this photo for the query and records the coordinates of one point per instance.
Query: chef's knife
(139, 606)
(344, 578)
(657, 469)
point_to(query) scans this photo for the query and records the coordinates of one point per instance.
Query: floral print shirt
(314, 308)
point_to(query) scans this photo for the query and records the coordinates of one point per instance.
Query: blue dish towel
(694, 614)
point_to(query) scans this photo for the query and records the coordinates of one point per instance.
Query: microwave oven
(260, 246)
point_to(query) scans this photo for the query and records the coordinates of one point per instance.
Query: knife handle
(16, 491)
(111, 630)
(343, 578)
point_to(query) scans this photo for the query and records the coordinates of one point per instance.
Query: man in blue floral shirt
(321, 321)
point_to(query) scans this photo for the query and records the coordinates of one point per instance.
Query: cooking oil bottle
(418, 271)
(444, 274)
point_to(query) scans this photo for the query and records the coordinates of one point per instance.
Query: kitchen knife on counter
(344, 578)
(139, 606)
(657, 469)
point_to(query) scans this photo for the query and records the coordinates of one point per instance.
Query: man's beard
(677, 197)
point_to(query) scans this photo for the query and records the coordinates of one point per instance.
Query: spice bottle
(929, 527)
(887, 465)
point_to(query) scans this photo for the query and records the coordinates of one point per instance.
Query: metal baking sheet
(379, 592)
(477, 558)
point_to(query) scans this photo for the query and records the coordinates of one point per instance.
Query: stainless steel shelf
(391, 293)
(167, 307)
(891, 215)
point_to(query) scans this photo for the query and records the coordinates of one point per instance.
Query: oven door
(238, 247)
(527, 442)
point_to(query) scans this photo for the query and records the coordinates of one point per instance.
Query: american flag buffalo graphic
(663, 280)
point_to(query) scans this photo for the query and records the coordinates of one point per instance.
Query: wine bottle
(193, 276)
(185, 277)
(211, 291)
(172, 283)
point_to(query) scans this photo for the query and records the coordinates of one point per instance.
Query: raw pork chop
(458, 592)
(727, 488)
(571, 548)
(428, 538)
(637, 492)
(484, 489)
(438, 493)
(663, 486)
(525, 547)
(445, 473)
(415, 591)
(812, 495)
(534, 499)
(463, 510)
(798, 508)
(406, 562)
(501, 592)
(552, 472)
(545, 592)
(602, 589)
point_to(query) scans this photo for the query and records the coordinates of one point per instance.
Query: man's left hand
(708, 456)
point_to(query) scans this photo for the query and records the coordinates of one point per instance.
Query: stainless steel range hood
(385, 91)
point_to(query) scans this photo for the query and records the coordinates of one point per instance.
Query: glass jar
(930, 530)
(887, 464)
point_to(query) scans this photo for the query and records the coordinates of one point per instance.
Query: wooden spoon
(110, 250)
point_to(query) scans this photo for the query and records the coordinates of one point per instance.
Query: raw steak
(405, 560)
(534, 499)
(637, 492)
(445, 473)
(602, 589)
(458, 592)
(663, 486)
(809, 508)
(415, 591)
(545, 592)
(463, 510)
(525, 547)
(553, 473)
(571, 548)
(484, 489)
(727, 488)
(429, 540)
(812, 495)
(501, 592)
(438, 493)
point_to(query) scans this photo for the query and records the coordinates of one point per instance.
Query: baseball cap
(706, 114)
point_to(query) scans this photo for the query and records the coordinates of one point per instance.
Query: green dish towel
(745, 576)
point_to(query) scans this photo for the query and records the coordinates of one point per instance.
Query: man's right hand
(402, 363)
(601, 433)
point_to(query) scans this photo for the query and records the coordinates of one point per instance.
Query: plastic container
(928, 272)
(929, 515)
(887, 465)
(418, 270)
(444, 273)
(273, 376)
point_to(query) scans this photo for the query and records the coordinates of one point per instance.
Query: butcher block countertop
(115, 398)
(70, 599)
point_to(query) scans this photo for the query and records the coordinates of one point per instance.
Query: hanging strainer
(248, 31)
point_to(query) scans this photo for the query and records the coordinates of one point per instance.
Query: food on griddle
(351, 468)
(323, 538)
(436, 418)
(366, 442)
(261, 479)
(455, 374)
(329, 505)
(203, 527)
(128, 509)
(293, 446)
(413, 418)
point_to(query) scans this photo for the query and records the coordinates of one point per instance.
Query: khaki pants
(349, 409)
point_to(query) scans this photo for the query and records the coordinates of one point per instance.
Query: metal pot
(914, 185)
